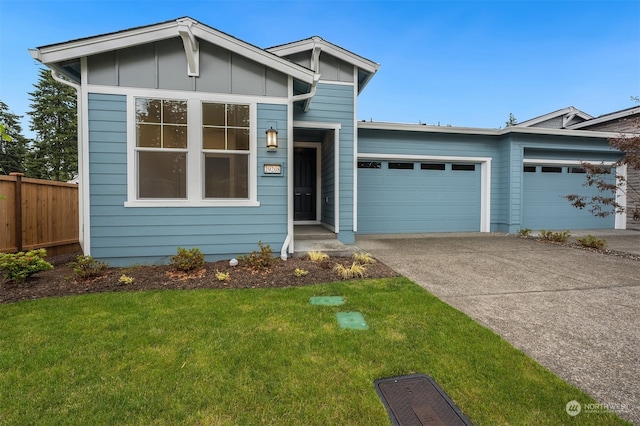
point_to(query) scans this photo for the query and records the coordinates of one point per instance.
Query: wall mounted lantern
(272, 138)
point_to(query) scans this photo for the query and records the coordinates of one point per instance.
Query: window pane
(238, 115)
(238, 139)
(213, 138)
(226, 176)
(162, 175)
(174, 136)
(175, 112)
(213, 114)
(148, 110)
(149, 135)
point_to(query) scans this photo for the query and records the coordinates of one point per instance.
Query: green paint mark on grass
(327, 300)
(353, 320)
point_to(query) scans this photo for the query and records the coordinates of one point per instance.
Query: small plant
(261, 260)
(363, 258)
(524, 232)
(125, 279)
(222, 276)
(300, 272)
(592, 242)
(86, 267)
(20, 266)
(558, 237)
(188, 260)
(356, 270)
(317, 256)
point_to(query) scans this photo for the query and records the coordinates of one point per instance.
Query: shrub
(558, 237)
(300, 272)
(86, 267)
(363, 258)
(317, 256)
(188, 260)
(125, 279)
(524, 232)
(592, 242)
(356, 270)
(261, 260)
(222, 276)
(20, 266)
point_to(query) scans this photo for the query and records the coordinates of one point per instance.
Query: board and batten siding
(163, 65)
(142, 235)
(335, 103)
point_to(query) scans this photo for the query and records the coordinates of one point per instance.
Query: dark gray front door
(304, 184)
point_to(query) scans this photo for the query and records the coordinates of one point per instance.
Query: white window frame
(195, 153)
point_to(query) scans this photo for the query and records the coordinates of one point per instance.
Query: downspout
(285, 246)
(81, 182)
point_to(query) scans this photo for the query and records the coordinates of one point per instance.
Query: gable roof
(366, 67)
(616, 115)
(567, 114)
(54, 55)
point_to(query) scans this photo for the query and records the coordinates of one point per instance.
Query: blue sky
(464, 63)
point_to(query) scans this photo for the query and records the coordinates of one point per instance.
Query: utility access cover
(353, 320)
(418, 400)
(327, 300)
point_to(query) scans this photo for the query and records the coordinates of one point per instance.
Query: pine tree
(54, 154)
(13, 145)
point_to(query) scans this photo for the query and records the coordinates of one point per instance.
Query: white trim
(337, 83)
(152, 33)
(355, 152)
(195, 167)
(409, 127)
(485, 177)
(83, 164)
(202, 96)
(561, 162)
(564, 113)
(318, 147)
(605, 118)
(621, 196)
(336, 147)
(289, 167)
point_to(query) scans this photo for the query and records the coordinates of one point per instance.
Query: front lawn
(260, 356)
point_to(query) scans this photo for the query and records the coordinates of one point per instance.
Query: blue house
(191, 137)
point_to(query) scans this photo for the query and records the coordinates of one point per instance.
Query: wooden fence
(38, 213)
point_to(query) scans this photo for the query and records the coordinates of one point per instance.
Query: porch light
(272, 138)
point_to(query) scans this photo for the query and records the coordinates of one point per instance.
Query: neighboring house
(173, 122)
(623, 121)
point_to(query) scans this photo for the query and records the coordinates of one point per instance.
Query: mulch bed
(61, 280)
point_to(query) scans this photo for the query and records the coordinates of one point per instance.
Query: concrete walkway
(574, 311)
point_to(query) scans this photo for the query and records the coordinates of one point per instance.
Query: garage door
(405, 197)
(544, 206)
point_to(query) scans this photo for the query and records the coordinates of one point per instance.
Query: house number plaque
(273, 169)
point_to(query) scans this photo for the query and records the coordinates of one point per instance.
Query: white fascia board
(563, 162)
(94, 45)
(254, 53)
(137, 36)
(482, 131)
(605, 118)
(332, 49)
(554, 114)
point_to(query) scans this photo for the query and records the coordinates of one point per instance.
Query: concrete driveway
(574, 311)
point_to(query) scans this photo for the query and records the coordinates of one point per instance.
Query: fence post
(18, 208)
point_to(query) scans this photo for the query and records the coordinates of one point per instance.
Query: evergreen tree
(13, 145)
(54, 154)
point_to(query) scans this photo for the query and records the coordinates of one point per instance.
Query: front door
(304, 184)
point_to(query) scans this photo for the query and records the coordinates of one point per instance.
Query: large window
(193, 151)
(225, 145)
(161, 148)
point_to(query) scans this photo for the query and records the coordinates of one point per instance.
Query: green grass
(260, 357)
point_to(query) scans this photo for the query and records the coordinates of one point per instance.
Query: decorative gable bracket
(191, 47)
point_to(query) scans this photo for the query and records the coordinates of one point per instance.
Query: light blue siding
(335, 104)
(125, 236)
